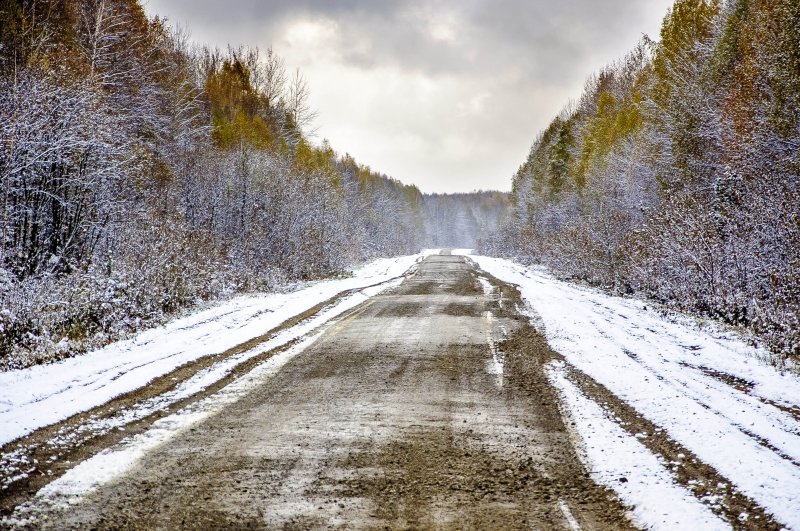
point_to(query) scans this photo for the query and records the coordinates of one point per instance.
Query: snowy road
(430, 402)
(38, 396)
(54, 415)
(403, 412)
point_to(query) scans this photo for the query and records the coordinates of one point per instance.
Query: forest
(675, 175)
(143, 174)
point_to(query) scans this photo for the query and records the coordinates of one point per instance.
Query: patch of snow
(573, 524)
(488, 289)
(622, 463)
(495, 365)
(666, 371)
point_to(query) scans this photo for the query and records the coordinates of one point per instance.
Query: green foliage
(36, 33)
(780, 20)
(236, 108)
(729, 46)
(559, 158)
(310, 160)
(688, 23)
(613, 122)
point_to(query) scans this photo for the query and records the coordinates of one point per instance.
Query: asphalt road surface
(425, 407)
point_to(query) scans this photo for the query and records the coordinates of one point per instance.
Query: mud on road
(421, 408)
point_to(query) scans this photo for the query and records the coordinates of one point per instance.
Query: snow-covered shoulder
(618, 460)
(709, 391)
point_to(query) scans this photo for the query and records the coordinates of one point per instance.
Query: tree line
(675, 175)
(460, 220)
(142, 174)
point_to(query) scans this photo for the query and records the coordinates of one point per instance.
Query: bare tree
(297, 103)
(269, 78)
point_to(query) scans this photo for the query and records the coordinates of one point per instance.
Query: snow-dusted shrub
(46, 318)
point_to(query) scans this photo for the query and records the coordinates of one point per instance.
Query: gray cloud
(447, 94)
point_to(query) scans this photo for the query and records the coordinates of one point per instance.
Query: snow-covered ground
(612, 454)
(38, 396)
(113, 462)
(707, 389)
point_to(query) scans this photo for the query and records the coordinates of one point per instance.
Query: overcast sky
(445, 94)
